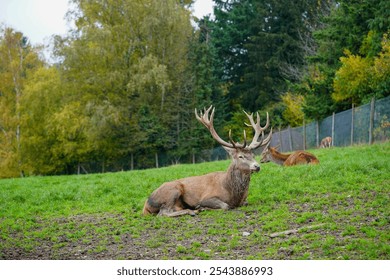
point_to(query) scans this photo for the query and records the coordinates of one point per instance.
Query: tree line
(125, 80)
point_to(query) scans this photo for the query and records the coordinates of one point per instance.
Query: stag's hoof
(192, 213)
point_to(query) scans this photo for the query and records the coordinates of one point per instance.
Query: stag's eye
(241, 157)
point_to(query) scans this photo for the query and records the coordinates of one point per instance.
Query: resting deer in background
(217, 190)
(297, 157)
(326, 142)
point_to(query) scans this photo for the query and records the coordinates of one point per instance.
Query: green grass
(99, 216)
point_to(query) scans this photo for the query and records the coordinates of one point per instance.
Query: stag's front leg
(213, 203)
(172, 205)
(244, 202)
(170, 213)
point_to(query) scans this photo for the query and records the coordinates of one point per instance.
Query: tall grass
(346, 195)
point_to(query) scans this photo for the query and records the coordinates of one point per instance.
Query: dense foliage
(127, 78)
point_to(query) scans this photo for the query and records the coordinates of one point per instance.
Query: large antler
(258, 130)
(208, 122)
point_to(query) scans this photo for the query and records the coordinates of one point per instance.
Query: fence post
(333, 116)
(156, 157)
(318, 134)
(371, 128)
(352, 122)
(280, 140)
(290, 138)
(304, 135)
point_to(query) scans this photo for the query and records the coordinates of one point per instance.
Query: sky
(33, 19)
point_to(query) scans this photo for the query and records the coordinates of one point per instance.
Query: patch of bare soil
(91, 237)
(109, 236)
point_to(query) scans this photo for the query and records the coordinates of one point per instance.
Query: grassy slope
(98, 216)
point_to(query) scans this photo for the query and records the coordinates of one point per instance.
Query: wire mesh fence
(361, 125)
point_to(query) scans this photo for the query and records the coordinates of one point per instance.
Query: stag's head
(242, 154)
(244, 160)
(267, 152)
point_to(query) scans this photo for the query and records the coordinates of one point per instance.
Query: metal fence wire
(341, 135)
(360, 125)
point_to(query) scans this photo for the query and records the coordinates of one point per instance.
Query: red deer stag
(297, 157)
(217, 190)
(326, 142)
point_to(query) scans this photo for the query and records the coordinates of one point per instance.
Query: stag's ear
(230, 151)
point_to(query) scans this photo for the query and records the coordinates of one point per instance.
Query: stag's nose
(256, 167)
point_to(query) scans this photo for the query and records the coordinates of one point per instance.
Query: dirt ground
(101, 242)
(115, 244)
(121, 236)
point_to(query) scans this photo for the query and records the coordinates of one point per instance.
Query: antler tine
(244, 145)
(204, 116)
(208, 123)
(267, 140)
(231, 139)
(235, 144)
(258, 130)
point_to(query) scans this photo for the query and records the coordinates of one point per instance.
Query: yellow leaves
(41, 84)
(360, 77)
(352, 78)
(293, 112)
(150, 80)
(69, 126)
(18, 60)
(382, 62)
(69, 122)
(8, 164)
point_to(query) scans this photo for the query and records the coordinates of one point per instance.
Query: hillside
(336, 210)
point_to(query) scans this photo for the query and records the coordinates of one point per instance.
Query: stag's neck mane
(278, 158)
(237, 182)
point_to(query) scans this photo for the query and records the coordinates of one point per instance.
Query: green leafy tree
(41, 101)
(360, 78)
(68, 126)
(18, 59)
(293, 112)
(381, 70)
(352, 79)
(121, 57)
(262, 46)
(344, 29)
(205, 90)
